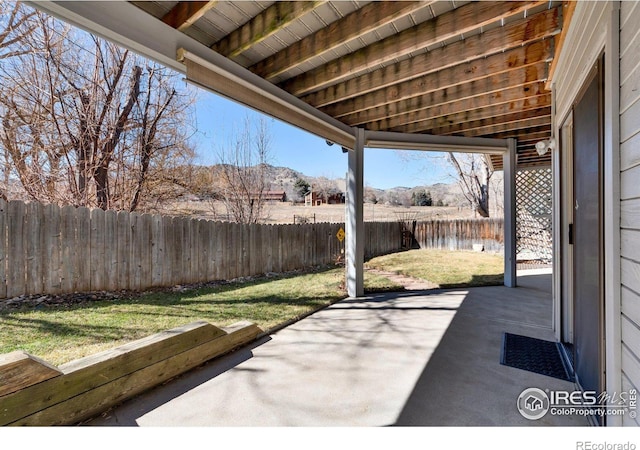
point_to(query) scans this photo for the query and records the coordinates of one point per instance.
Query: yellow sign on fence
(340, 234)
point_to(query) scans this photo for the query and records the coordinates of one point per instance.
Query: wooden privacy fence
(461, 234)
(53, 250)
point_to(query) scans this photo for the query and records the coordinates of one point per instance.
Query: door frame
(596, 74)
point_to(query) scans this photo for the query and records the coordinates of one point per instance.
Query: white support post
(355, 218)
(509, 164)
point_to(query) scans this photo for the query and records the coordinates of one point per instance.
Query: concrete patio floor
(422, 358)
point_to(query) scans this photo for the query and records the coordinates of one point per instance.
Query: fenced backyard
(51, 250)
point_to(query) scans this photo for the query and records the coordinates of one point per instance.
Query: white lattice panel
(533, 220)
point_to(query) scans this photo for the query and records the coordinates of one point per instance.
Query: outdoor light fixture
(329, 143)
(542, 147)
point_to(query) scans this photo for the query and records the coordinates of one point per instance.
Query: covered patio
(402, 359)
(426, 76)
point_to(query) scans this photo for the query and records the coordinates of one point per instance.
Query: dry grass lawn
(447, 269)
(62, 333)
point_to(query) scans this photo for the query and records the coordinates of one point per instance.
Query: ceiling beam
(184, 14)
(480, 124)
(368, 18)
(492, 42)
(534, 161)
(530, 57)
(512, 127)
(464, 19)
(429, 142)
(533, 133)
(268, 22)
(492, 91)
(504, 87)
(472, 113)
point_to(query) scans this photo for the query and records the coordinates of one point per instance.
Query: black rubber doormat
(534, 355)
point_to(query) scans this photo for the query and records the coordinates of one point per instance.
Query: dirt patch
(409, 283)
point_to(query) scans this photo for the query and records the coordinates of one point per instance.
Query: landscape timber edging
(38, 394)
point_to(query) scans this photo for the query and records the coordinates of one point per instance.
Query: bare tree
(370, 195)
(242, 171)
(16, 25)
(325, 188)
(469, 170)
(85, 122)
(473, 177)
(496, 184)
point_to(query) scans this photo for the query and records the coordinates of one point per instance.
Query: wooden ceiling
(437, 67)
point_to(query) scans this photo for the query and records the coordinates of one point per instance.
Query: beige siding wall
(586, 39)
(630, 192)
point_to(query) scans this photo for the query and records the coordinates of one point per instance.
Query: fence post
(111, 249)
(82, 250)
(146, 245)
(33, 224)
(98, 258)
(123, 239)
(157, 250)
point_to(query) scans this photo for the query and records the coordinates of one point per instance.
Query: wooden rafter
(474, 113)
(495, 114)
(370, 17)
(515, 127)
(462, 20)
(460, 98)
(531, 133)
(506, 86)
(528, 57)
(491, 43)
(481, 124)
(184, 14)
(525, 160)
(267, 23)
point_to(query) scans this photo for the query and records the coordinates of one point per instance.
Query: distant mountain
(285, 178)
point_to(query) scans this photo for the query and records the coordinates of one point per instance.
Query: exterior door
(587, 235)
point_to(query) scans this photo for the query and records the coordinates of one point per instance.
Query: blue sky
(217, 117)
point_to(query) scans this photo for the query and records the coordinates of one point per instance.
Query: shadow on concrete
(463, 382)
(132, 409)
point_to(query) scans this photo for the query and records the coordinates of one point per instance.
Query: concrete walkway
(414, 358)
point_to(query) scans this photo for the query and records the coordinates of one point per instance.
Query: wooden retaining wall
(45, 249)
(33, 392)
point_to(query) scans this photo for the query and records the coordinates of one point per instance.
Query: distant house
(271, 196)
(317, 199)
